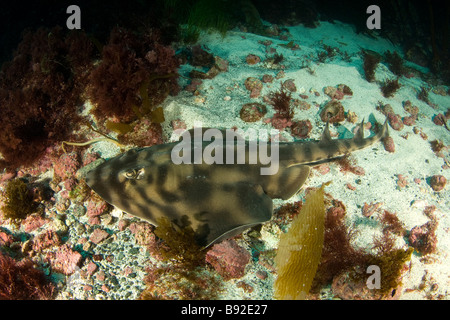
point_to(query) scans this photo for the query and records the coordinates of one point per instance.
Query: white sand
(413, 157)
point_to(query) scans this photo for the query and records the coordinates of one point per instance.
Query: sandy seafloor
(218, 105)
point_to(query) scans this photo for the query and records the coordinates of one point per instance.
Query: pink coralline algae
(409, 121)
(401, 181)
(178, 124)
(369, 209)
(89, 157)
(6, 239)
(97, 208)
(98, 236)
(395, 121)
(46, 240)
(65, 260)
(339, 92)
(279, 122)
(388, 143)
(33, 222)
(67, 165)
(143, 233)
(228, 259)
(438, 182)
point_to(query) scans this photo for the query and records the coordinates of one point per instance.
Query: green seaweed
(391, 264)
(219, 15)
(208, 14)
(180, 243)
(187, 277)
(118, 127)
(18, 201)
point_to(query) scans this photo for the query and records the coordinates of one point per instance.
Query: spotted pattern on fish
(217, 200)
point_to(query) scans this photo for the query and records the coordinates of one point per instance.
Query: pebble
(438, 182)
(261, 274)
(98, 235)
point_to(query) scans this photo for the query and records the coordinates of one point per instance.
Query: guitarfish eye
(135, 174)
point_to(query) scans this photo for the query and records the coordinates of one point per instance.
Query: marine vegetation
(371, 61)
(300, 249)
(395, 63)
(218, 15)
(23, 281)
(179, 243)
(280, 100)
(18, 201)
(187, 275)
(389, 87)
(40, 91)
(341, 260)
(136, 73)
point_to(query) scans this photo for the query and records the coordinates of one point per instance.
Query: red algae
(22, 281)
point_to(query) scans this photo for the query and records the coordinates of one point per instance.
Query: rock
(65, 260)
(409, 121)
(301, 129)
(348, 289)
(67, 165)
(252, 112)
(98, 235)
(228, 259)
(289, 85)
(267, 78)
(253, 85)
(339, 92)
(388, 143)
(201, 57)
(221, 64)
(395, 121)
(33, 222)
(333, 112)
(97, 208)
(252, 59)
(438, 182)
(91, 268)
(45, 240)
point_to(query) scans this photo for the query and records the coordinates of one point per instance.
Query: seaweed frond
(281, 102)
(370, 64)
(390, 87)
(180, 243)
(395, 63)
(18, 201)
(22, 281)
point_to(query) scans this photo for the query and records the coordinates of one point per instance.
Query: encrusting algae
(300, 249)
